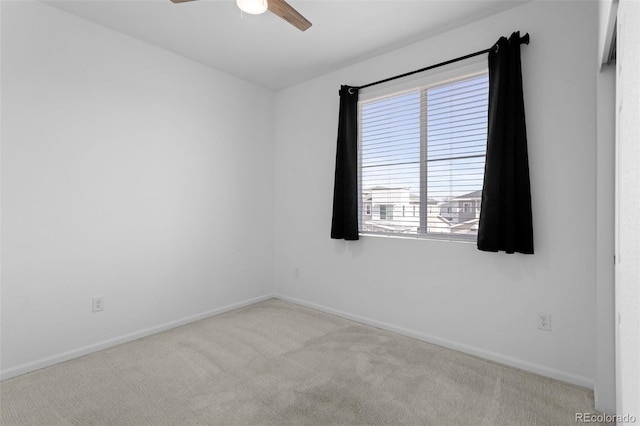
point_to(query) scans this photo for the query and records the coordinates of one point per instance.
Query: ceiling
(266, 50)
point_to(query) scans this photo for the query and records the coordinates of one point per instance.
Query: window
(425, 147)
(386, 212)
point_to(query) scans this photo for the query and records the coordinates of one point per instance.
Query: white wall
(448, 292)
(628, 210)
(127, 172)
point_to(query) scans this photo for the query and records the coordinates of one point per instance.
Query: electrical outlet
(544, 322)
(296, 272)
(98, 304)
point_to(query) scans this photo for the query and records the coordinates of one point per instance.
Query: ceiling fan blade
(288, 13)
(180, 1)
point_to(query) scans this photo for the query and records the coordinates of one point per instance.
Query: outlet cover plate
(544, 322)
(98, 304)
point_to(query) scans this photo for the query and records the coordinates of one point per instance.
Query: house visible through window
(424, 149)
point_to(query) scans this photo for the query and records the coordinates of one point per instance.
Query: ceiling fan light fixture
(253, 7)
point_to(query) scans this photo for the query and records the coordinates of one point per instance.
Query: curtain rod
(523, 40)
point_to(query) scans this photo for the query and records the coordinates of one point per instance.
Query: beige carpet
(278, 363)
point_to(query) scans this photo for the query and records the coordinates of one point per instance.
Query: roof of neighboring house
(474, 194)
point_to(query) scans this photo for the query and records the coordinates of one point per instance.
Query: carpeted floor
(278, 363)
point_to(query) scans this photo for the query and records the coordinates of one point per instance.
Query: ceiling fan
(278, 7)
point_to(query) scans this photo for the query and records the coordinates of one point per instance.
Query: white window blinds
(422, 156)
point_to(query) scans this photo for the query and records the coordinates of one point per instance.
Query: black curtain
(344, 224)
(505, 217)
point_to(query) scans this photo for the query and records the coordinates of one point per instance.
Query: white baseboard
(86, 350)
(491, 356)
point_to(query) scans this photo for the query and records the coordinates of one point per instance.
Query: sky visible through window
(453, 117)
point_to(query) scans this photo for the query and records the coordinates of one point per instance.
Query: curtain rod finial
(525, 39)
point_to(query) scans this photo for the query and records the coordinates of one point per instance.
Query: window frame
(471, 68)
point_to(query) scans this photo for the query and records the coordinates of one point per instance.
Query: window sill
(471, 239)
